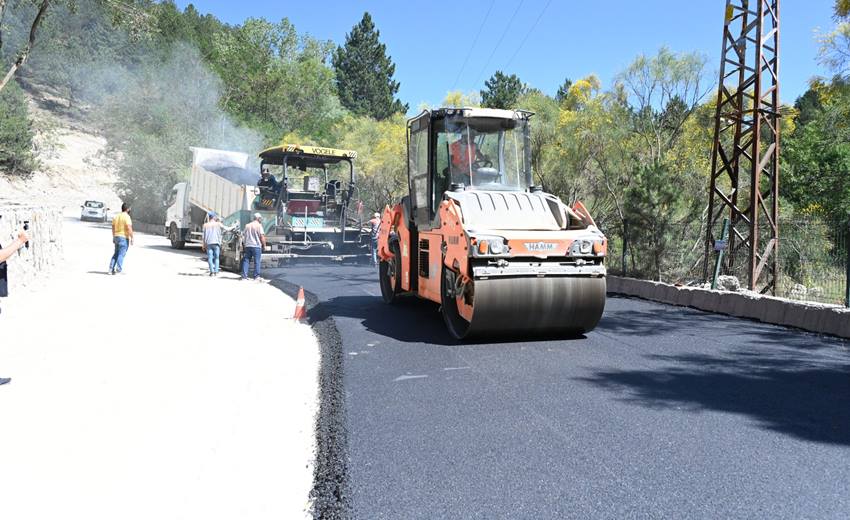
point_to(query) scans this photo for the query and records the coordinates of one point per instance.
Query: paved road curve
(659, 412)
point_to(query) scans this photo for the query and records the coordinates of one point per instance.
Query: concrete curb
(814, 317)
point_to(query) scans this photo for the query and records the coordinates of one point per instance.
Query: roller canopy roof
(474, 112)
(310, 156)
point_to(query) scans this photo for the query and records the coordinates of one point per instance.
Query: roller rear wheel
(458, 327)
(389, 275)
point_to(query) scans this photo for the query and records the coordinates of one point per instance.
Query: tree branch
(25, 52)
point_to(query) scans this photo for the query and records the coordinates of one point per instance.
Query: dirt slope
(74, 165)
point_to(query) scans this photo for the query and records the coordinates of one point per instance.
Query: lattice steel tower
(745, 155)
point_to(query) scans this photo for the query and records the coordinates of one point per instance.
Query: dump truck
(313, 213)
(219, 181)
(476, 236)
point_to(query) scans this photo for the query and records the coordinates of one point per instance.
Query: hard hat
(377, 215)
(258, 216)
(211, 214)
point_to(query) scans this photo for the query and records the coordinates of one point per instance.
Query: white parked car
(93, 210)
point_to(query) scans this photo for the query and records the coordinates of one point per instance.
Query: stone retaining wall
(45, 231)
(814, 317)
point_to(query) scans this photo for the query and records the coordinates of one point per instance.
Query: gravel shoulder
(159, 393)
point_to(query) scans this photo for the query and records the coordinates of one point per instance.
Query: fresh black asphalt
(661, 412)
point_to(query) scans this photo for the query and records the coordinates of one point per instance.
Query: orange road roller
(476, 236)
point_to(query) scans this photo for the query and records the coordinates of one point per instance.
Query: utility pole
(745, 154)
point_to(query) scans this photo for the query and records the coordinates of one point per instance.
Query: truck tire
(174, 236)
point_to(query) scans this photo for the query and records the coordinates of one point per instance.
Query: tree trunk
(25, 52)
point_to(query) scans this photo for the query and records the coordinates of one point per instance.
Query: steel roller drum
(544, 305)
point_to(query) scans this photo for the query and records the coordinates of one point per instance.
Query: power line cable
(474, 41)
(528, 33)
(504, 33)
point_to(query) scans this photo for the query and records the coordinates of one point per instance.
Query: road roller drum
(565, 305)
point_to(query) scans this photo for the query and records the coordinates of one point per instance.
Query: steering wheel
(481, 161)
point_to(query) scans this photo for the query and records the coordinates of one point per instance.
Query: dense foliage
(16, 155)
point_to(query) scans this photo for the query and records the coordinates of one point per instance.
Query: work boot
(4, 380)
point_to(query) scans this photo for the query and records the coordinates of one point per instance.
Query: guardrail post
(847, 265)
(625, 254)
(723, 235)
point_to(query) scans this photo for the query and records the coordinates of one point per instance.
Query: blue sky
(429, 41)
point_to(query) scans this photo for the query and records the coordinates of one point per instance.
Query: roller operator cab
(476, 236)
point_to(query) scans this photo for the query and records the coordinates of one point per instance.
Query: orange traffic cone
(300, 312)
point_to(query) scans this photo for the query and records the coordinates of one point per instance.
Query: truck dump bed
(213, 192)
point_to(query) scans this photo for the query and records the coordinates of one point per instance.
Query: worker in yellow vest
(122, 237)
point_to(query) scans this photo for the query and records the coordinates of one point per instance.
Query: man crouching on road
(254, 240)
(122, 237)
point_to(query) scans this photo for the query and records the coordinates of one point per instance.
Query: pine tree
(563, 90)
(502, 91)
(364, 73)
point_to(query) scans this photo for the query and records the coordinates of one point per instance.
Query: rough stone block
(844, 323)
(747, 305)
(685, 296)
(648, 290)
(795, 315)
(627, 286)
(660, 292)
(731, 302)
(832, 320)
(771, 310)
(667, 293)
(614, 284)
(815, 318)
(707, 300)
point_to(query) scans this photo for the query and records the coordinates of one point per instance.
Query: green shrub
(16, 154)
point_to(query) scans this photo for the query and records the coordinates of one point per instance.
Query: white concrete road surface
(160, 393)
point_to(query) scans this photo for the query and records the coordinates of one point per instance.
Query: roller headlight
(491, 246)
(581, 248)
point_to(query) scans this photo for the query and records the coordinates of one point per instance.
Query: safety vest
(462, 154)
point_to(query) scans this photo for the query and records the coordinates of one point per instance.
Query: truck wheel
(389, 275)
(174, 236)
